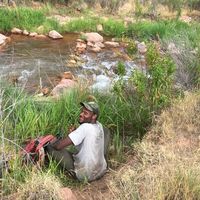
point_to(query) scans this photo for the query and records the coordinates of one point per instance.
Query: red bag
(34, 151)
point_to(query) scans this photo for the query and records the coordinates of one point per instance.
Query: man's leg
(63, 157)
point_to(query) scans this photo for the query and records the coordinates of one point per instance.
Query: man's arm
(60, 144)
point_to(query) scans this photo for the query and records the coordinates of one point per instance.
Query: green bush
(156, 86)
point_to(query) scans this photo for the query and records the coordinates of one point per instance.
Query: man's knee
(63, 157)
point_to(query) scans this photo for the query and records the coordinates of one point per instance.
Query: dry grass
(39, 186)
(166, 164)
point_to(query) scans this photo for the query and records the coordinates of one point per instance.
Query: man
(89, 163)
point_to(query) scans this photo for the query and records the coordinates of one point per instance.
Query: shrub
(156, 86)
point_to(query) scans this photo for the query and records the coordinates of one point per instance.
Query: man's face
(86, 116)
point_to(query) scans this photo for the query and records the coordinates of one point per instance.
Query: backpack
(34, 150)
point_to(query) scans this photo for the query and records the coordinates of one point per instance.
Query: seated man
(89, 163)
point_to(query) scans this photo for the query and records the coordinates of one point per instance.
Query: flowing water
(37, 62)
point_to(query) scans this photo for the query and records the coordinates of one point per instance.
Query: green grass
(24, 18)
(78, 25)
(30, 118)
(27, 18)
(153, 30)
(113, 27)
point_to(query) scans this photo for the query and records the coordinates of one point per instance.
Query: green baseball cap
(91, 106)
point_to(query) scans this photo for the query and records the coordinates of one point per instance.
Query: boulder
(16, 31)
(55, 35)
(111, 44)
(93, 37)
(66, 84)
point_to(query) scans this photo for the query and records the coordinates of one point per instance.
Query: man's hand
(71, 128)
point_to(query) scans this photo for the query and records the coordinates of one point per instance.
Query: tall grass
(77, 25)
(155, 30)
(113, 27)
(26, 18)
(30, 118)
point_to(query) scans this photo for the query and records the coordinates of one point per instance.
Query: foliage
(24, 18)
(155, 30)
(138, 9)
(31, 118)
(77, 25)
(193, 4)
(185, 54)
(174, 5)
(113, 27)
(111, 6)
(147, 92)
(132, 47)
(121, 68)
(155, 88)
(27, 18)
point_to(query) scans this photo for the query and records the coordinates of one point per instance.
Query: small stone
(112, 44)
(33, 34)
(25, 32)
(16, 31)
(55, 35)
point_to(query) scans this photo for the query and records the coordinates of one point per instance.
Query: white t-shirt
(89, 162)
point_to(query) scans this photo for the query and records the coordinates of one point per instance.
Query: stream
(39, 62)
